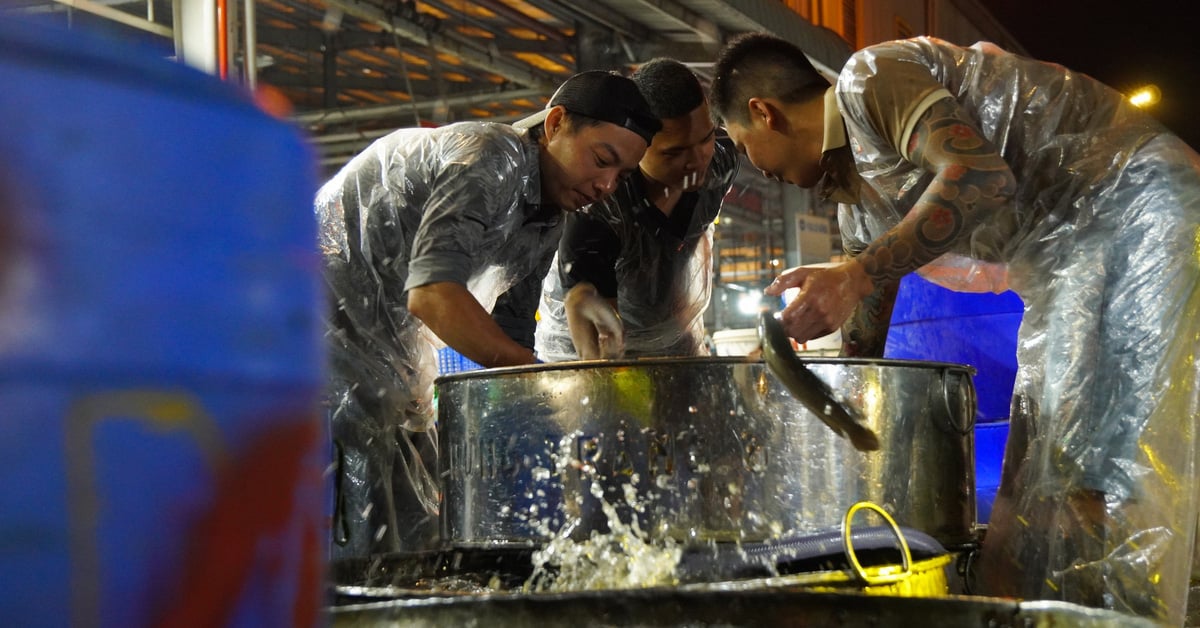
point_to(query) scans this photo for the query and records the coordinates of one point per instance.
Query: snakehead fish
(807, 388)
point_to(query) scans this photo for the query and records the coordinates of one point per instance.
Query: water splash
(625, 557)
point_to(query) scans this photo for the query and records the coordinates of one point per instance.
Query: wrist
(860, 281)
(579, 292)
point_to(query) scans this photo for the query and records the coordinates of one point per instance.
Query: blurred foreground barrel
(160, 352)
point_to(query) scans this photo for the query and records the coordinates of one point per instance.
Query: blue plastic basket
(451, 361)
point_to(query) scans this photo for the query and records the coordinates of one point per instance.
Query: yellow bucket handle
(848, 545)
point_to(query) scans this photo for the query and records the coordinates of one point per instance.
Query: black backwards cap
(604, 96)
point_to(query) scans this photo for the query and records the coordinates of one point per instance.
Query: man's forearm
(864, 335)
(451, 312)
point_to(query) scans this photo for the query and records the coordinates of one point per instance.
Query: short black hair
(670, 87)
(762, 65)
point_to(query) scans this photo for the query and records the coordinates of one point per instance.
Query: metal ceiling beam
(426, 106)
(377, 81)
(116, 15)
(313, 39)
(308, 81)
(507, 12)
(450, 43)
(824, 48)
(333, 139)
(606, 17)
(692, 54)
(702, 26)
(335, 155)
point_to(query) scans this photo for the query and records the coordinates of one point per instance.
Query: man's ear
(767, 113)
(555, 121)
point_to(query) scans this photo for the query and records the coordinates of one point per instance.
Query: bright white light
(748, 303)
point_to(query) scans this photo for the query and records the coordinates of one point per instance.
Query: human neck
(664, 197)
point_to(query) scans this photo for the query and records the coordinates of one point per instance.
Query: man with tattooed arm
(984, 170)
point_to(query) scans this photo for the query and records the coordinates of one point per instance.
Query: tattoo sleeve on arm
(864, 334)
(971, 184)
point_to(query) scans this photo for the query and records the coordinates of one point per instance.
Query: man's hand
(595, 326)
(827, 297)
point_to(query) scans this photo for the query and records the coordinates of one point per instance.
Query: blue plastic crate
(451, 361)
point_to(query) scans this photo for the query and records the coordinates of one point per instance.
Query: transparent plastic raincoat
(662, 282)
(457, 203)
(1105, 257)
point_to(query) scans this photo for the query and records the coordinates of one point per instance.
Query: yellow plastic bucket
(924, 578)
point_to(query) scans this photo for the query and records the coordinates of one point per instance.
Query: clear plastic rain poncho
(662, 281)
(457, 203)
(1105, 257)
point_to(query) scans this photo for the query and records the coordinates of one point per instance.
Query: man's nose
(607, 185)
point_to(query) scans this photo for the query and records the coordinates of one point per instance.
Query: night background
(1126, 45)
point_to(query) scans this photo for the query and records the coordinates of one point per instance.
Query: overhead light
(1146, 96)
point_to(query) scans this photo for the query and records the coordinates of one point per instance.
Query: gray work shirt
(458, 203)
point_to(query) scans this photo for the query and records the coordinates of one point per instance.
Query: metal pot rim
(681, 361)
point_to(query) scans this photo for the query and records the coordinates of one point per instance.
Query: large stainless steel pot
(713, 448)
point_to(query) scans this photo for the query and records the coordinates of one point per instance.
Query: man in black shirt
(633, 273)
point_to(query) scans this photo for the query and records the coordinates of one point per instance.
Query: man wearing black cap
(422, 234)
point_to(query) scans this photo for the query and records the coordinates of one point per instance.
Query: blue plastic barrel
(930, 322)
(160, 352)
(989, 452)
